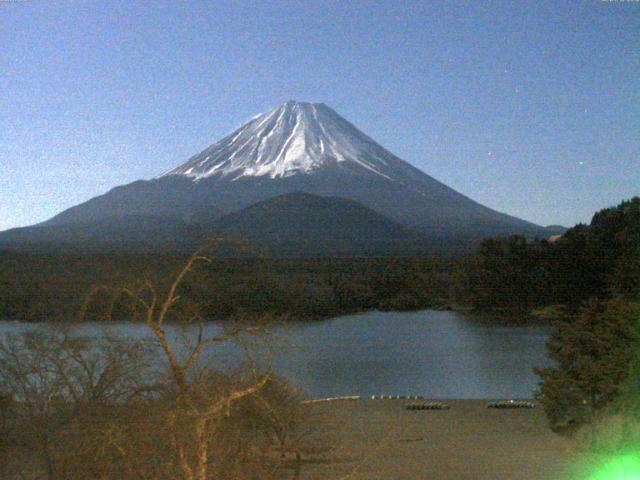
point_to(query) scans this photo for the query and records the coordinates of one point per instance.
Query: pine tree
(593, 352)
(628, 404)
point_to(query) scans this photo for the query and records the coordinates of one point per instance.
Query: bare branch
(171, 296)
(229, 399)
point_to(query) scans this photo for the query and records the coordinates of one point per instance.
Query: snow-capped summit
(296, 137)
(297, 147)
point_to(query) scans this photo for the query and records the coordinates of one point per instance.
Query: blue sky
(532, 108)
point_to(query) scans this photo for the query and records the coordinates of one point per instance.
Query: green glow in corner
(624, 467)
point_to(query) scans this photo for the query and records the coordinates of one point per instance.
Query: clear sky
(530, 107)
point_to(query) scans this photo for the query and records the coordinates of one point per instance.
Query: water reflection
(435, 354)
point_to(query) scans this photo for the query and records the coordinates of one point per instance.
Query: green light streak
(623, 467)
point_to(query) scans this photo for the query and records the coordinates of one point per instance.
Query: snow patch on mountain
(295, 138)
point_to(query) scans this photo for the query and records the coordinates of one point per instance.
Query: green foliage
(599, 260)
(54, 287)
(593, 352)
(508, 275)
(625, 280)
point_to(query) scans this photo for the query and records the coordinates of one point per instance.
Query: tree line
(515, 275)
(592, 273)
(51, 287)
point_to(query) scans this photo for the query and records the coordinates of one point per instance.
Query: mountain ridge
(303, 224)
(297, 147)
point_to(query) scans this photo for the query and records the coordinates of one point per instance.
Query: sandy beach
(382, 440)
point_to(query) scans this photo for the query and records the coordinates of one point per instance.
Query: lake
(431, 353)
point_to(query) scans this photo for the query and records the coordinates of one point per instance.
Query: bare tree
(51, 376)
(97, 408)
(279, 412)
(197, 407)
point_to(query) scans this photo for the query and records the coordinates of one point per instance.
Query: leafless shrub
(97, 408)
(52, 377)
(205, 436)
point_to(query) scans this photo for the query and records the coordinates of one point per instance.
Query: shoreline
(495, 318)
(381, 440)
(353, 398)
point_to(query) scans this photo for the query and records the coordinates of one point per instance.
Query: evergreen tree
(509, 275)
(625, 280)
(628, 403)
(593, 352)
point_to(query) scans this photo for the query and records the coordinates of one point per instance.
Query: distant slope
(297, 147)
(174, 198)
(307, 147)
(291, 225)
(302, 224)
(300, 215)
(135, 233)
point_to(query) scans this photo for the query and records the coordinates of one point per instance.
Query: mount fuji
(296, 147)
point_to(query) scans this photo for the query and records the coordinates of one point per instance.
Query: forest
(509, 276)
(591, 275)
(513, 275)
(54, 287)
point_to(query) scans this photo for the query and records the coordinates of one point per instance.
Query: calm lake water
(435, 354)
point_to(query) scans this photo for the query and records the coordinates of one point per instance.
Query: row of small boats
(427, 405)
(498, 404)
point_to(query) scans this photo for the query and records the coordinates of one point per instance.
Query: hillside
(296, 147)
(302, 224)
